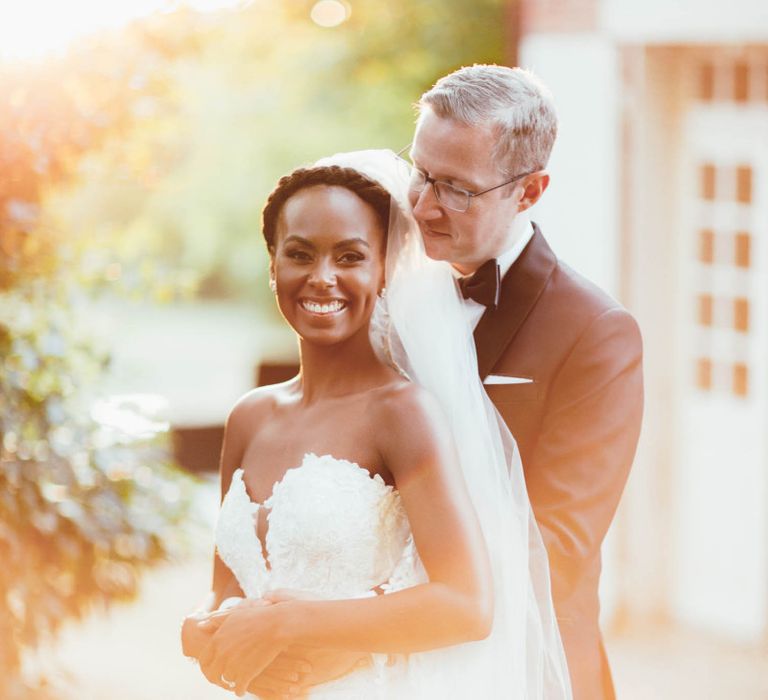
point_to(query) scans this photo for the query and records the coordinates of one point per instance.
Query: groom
(560, 359)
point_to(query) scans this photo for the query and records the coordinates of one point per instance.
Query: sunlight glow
(132, 416)
(330, 13)
(36, 28)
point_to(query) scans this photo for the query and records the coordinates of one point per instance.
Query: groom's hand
(284, 677)
(296, 670)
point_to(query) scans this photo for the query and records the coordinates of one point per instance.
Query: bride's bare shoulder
(259, 403)
(412, 433)
(405, 406)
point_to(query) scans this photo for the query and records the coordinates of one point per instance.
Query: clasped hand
(239, 643)
(275, 669)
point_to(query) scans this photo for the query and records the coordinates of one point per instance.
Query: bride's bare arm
(455, 606)
(296, 665)
(457, 603)
(195, 634)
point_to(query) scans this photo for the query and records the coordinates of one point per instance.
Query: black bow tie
(484, 285)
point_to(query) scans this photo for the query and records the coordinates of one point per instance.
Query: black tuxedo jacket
(576, 424)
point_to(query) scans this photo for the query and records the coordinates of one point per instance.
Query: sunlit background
(37, 29)
(138, 141)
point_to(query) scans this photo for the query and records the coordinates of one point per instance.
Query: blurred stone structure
(197, 447)
(660, 194)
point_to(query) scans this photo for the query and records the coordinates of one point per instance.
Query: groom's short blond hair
(512, 101)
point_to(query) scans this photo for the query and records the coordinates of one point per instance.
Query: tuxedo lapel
(520, 289)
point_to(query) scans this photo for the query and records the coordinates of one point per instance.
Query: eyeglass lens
(445, 193)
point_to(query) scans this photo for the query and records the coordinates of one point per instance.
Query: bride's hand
(247, 639)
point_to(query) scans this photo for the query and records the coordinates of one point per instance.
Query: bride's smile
(323, 307)
(328, 264)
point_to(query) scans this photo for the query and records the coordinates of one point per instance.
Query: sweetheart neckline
(374, 477)
(318, 485)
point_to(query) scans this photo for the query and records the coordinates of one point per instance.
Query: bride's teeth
(316, 308)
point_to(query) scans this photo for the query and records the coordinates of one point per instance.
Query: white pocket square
(501, 379)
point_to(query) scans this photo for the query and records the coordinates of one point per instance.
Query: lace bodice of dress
(333, 530)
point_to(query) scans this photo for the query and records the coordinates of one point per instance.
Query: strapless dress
(334, 531)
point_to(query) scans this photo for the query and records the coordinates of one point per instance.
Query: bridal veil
(421, 328)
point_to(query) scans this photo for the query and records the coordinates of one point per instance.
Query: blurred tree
(268, 90)
(142, 160)
(86, 499)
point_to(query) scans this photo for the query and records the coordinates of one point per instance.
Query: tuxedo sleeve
(579, 466)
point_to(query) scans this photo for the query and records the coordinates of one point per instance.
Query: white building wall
(578, 213)
(685, 21)
(613, 211)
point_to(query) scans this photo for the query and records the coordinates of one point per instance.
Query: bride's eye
(351, 257)
(298, 255)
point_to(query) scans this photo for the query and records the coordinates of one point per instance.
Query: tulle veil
(420, 327)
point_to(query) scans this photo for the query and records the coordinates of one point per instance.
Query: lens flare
(330, 13)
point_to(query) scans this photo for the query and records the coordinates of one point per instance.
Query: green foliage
(266, 91)
(84, 504)
(55, 115)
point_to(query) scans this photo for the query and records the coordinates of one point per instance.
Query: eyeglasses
(450, 196)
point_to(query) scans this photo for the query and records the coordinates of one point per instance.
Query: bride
(379, 482)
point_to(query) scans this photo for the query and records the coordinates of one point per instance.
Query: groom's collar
(522, 232)
(520, 289)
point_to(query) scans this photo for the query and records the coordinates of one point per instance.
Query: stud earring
(273, 285)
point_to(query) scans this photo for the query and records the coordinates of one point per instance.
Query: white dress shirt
(522, 234)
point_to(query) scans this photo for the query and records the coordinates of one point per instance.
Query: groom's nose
(425, 205)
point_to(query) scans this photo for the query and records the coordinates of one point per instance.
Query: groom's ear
(535, 184)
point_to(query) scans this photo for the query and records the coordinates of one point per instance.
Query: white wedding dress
(335, 532)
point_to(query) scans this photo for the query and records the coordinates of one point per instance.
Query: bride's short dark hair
(370, 191)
